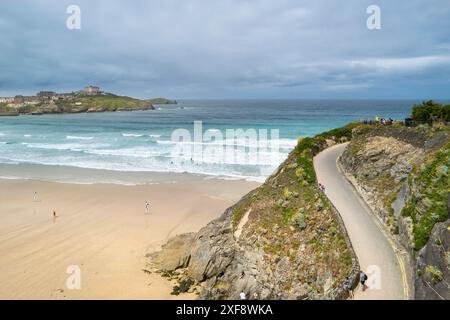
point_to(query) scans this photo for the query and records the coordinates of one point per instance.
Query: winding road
(376, 254)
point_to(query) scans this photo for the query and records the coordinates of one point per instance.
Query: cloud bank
(228, 48)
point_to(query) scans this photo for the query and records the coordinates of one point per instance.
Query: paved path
(375, 252)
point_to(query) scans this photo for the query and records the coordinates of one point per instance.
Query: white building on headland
(91, 90)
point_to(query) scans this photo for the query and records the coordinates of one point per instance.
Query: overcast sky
(228, 48)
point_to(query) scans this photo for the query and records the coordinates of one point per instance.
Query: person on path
(348, 286)
(363, 278)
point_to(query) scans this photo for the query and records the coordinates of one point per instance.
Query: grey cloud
(228, 48)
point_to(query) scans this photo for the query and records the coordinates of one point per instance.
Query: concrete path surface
(376, 255)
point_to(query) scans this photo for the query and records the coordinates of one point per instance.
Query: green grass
(110, 102)
(288, 213)
(343, 132)
(82, 103)
(107, 102)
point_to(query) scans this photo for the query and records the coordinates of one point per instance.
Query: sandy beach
(103, 229)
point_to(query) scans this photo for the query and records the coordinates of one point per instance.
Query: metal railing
(408, 122)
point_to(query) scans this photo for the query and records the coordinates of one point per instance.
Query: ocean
(124, 147)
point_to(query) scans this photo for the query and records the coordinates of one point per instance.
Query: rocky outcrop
(229, 266)
(206, 253)
(379, 167)
(433, 265)
(292, 244)
(213, 249)
(91, 110)
(177, 253)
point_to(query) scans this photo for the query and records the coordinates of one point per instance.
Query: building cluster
(47, 97)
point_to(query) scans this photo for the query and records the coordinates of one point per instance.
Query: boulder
(175, 254)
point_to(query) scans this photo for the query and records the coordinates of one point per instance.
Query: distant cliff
(156, 101)
(79, 103)
(283, 240)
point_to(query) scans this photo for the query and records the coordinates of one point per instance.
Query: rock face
(177, 253)
(383, 155)
(433, 261)
(213, 249)
(229, 266)
(380, 165)
(291, 243)
(403, 175)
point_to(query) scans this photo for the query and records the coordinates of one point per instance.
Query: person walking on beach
(147, 206)
(348, 286)
(54, 214)
(363, 278)
(35, 197)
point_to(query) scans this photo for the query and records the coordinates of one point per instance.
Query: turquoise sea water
(141, 141)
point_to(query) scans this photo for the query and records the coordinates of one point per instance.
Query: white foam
(78, 138)
(251, 160)
(65, 146)
(133, 135)
(160, 167)
(12, 178)
(140, 152)
(281, 143)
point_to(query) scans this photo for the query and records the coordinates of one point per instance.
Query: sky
(228, 49)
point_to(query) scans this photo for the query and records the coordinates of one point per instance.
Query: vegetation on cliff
(282, 240)
(429, 111)
(428, 205)
(297, 222)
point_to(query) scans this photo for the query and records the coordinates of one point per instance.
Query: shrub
(430, 111)
(435, 274)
